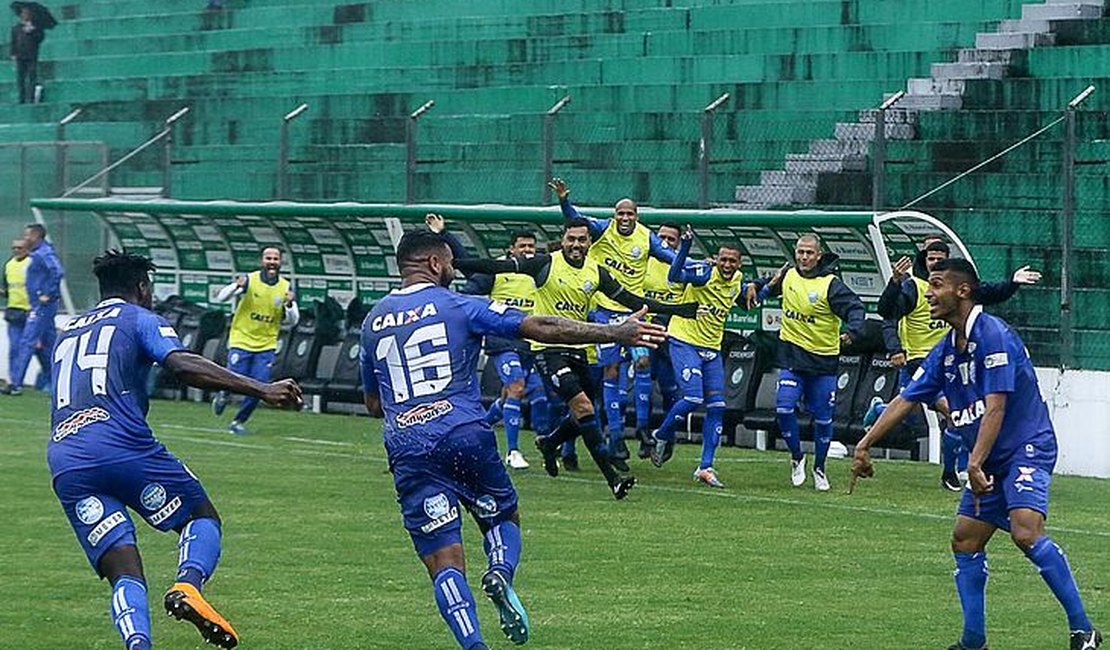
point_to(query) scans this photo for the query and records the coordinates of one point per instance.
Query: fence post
(410, 150)
(167, 153)
(549, 146)
(283, 152)
(705, 149)
(61, 153)
(878, 153)
(1067, 234)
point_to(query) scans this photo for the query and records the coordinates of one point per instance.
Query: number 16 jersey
(100, 366)
(419, 352)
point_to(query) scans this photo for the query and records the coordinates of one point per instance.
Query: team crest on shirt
(636, 252)
(813, 297)
(588, 286)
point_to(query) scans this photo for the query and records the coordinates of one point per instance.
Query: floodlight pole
(283, 152)
(167, 152)
(1067, 233)
(878, 153)
(410, 150)
(705, 149)
(549, 146)
(62, 152)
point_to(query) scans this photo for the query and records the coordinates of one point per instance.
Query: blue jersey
(419, 352)
(100, 366)
(995, 361)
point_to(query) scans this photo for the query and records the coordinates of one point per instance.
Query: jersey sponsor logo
(262, 318)
(405, 317)
(440, 511)
(167, 332)
(486, 506)
(87, 319)
(78, 421)
(89, 510)
(1026, 475)
(996, 360)
(565, 305)
(165, 512)
(526, 303)
(970, 414)
(424, 413)
(713, 310)
(938, 325)
(798, 316)
(102, 529)
(620, 267)
(153, 496)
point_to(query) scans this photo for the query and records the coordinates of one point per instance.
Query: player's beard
(446, 276)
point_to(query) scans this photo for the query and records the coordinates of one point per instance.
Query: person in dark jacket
(24, 51)
(814, 304)
(904, 308)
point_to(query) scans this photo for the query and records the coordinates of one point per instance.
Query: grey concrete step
(866, 132)
(970, 55)
(968, 71)
(840, 147)
(931, 86)
(809, 163)
(1013, 40)
(938, 102)
(764, 195)
(1062, 11)
(1025, 25)
(894, 115)
(789, 179)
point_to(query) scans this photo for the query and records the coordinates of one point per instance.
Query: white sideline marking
(639, 486)
(317, 441)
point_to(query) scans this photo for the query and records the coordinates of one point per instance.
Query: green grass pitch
(315, 556)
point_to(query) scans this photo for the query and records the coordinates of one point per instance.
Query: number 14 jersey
(100, 366)
(419, 352)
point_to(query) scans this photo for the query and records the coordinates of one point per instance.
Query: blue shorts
(818, 392)
(463, 470)
(510, 367)
(256, 365)
(661, 369)
(700, 372)
(160, 488)
(1022, 483)
(609, 354)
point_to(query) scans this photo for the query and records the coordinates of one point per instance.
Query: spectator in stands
(25, 41)
(43, 284)
(265, 304)
(13, 285)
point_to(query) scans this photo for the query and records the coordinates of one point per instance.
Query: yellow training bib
(515, 290)
(624, 257)
(716, 299)
(807, 319)
(567, 292)
(920, 333)
(257, 319)
(15, 272)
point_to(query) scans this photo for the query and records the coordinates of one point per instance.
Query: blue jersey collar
(969, 325)
(110, 301)
(412, 288)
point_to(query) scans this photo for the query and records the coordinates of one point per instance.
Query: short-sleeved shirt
(419, 352)
(995, 361)
(100, 366)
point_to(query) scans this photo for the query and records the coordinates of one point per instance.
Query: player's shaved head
(811, 240)
(124, 275)
(19, 248)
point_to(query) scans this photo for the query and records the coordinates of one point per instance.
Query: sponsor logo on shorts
(424, 413)
(103, 528)
(89, 510)
(153, 496)
(78, 421)
(440, 511)
(708, 355)
(166, 512)
(486, 506)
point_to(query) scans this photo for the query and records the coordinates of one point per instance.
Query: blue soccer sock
(971, 584)
(950, 444)
(788, 427)
(538, 410)
(642, 385)
(610, 394)
(961, 458)
(711, 432)
(198, 551)
(511, 410)
(456, 605)
(503, 545)
(1053, 565)
(676, 416)
(822, 439)
(493, 415)
(131, 612)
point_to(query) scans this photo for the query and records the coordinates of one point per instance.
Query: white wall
(1079, 402)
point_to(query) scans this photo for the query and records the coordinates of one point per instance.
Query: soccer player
(43, 284)
(104, 458)
(814, 303)
(984, 371)
(623, 246)
(695, 347)
(903, 302)
(660, 289)
(566, 282)
(13, 285)
(511, 357)
(419, 352)
(265, 305)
